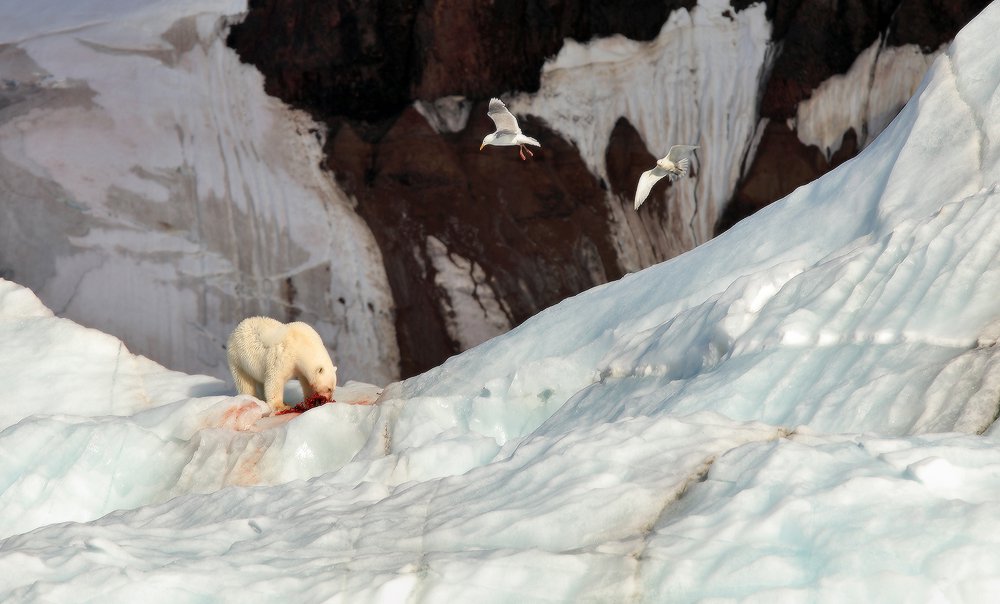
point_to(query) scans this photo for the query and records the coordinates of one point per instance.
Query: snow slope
(152, 190)
(783, 414)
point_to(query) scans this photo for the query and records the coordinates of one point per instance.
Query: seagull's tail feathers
(527, 140)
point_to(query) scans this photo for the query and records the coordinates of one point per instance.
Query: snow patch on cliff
(153, 190)
(696, 83)
(864, 99)
(472, 311)
(446, 114)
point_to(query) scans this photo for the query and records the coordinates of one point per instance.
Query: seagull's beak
(481, 146)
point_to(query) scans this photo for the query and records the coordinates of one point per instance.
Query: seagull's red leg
(521, 153)
(528, 150)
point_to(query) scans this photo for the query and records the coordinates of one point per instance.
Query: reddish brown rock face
(368, 59)
(821, 39)
(782, 164)
(536, 227)
(540, 230)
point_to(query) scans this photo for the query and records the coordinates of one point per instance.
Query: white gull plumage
(675, 164)
(508, 133)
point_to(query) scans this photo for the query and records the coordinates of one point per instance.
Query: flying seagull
(674, 165)
(508, 133)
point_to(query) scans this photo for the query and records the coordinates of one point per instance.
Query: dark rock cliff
(538, 229)
(818, 40)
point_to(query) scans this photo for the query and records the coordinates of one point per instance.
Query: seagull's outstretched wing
(646, 182)
(679, 152)
(680, 156)
(504, 120)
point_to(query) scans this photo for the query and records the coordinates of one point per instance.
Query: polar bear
(265, 353)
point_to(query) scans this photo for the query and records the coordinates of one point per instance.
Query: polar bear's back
(306, 335)
(252, 341)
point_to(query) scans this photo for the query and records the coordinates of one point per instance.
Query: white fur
(264, 354)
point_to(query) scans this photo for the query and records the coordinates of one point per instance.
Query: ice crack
(698, 474)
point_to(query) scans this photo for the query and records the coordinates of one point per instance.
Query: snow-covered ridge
(78, 406)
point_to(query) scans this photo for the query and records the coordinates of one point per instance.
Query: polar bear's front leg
(274, 392)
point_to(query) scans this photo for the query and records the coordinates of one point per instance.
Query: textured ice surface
(786, 413)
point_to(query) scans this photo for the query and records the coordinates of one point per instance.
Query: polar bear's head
(320, 379)
(313, 366)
